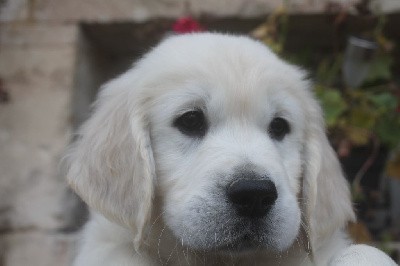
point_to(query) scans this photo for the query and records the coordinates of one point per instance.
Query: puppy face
(225, 135)
(227, 140)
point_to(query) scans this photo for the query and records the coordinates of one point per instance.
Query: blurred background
(55, 54)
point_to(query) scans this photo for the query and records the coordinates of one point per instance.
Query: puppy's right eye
(278, 128)
(192, 123)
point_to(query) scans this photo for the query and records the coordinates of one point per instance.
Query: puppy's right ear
(111, 165)
(326, 196)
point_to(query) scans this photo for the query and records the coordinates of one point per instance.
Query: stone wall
(38, 48)
(36, 62)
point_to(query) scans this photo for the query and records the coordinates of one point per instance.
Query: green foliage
(383, 102)
(332, 104)
(388, 129)
(361, 113)
(380, 68)
(328, 70)
(356, 114)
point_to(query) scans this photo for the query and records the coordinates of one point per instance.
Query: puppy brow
(283, 113)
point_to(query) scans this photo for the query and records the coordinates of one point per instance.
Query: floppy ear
(327, 202)
(111, 165)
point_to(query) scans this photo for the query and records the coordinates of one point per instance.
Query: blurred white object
(362, 255)
(357, 60)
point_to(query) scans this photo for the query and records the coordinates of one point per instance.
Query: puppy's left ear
(111, 164)
(327, 202)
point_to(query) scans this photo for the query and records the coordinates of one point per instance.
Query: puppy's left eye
(192, 123)
(278, 128)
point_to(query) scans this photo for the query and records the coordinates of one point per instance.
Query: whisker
(186, 255)
(155, 221)
(172, 252)
(158, 246)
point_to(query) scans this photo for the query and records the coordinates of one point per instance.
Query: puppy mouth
(246, 237)
(217, 227)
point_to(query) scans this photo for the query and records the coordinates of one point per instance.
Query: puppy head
(223, 132)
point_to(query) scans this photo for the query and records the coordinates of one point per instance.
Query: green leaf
(358, 136)
(328, 70)
(380, 68)
(384, 101)
(388, 130)
(363, 118)
(332, 104)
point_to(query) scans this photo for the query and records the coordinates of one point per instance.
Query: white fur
(162, 192)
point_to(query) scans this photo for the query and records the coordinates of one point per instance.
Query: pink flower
(187, 25)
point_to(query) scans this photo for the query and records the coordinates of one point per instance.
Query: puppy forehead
(235, 70)
(211, 55)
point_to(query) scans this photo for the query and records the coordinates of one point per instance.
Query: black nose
(252, 198)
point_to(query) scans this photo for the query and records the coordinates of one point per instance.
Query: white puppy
(211, 150)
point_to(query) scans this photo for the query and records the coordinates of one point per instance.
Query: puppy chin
(248, 245)
(249, 239)
(253, 239)
(270, 243)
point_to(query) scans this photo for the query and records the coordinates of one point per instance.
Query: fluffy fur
(159, 196)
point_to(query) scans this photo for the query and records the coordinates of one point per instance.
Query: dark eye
(192, 123)
(278, 128)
